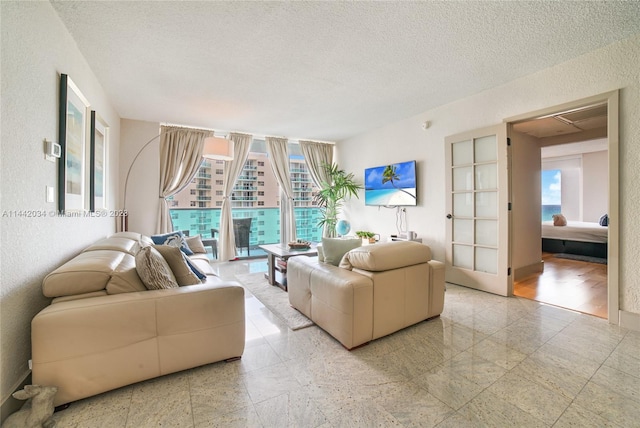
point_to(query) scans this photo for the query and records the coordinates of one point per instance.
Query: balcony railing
(265, 227)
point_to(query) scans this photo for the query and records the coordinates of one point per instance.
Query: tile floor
(487, 361)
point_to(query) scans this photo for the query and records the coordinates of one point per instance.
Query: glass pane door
(477, 239)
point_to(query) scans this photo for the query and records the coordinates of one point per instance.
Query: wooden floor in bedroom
(570, 284)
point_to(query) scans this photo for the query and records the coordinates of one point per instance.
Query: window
(256, 194)
(551, 193)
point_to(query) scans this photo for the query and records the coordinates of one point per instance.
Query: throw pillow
(153, 270)
(174, 239)
(559, 220)
(177, 261)
(335, 248)
(195, 269)
(195, 244)
(604, 220)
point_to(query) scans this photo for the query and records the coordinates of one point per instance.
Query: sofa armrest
(436, 279)
(93, 345)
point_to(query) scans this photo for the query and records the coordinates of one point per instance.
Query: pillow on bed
(559, 220)
(604, 220)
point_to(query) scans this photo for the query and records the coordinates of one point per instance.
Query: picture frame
(72, 137)
(98, 162)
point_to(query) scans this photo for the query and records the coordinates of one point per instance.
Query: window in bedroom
(551, 193)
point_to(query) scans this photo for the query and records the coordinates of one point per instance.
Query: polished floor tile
(486, 361)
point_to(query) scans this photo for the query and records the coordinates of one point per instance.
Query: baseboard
(630, 320)
(525, 271)
(11, 405)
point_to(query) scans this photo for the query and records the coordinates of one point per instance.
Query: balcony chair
(241, 231)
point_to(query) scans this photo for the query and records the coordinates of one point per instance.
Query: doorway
(586, 287)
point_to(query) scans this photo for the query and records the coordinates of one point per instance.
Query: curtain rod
(256, 136)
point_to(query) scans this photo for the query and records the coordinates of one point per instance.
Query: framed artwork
(98, 163)
(73, 124)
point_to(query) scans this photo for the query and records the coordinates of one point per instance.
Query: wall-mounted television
(391, 185)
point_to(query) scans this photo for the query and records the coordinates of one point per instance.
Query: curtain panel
(317, 155)
(180, 159)
(232, 169)
(278, 151)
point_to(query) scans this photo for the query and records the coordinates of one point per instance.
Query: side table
(277, 256)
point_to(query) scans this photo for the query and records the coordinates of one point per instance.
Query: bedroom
(572, 178)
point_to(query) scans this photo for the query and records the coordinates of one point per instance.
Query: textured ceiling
(324, 70)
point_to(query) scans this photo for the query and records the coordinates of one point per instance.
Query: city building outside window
(204, 198)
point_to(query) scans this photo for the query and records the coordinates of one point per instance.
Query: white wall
(36, 48)
(614, 67)
(526, 200)
(144, 180)
(595, 180)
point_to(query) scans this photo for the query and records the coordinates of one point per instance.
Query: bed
(577, 237)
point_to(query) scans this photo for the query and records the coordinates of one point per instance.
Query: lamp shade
(217, 148)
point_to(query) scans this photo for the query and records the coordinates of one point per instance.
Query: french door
(478, 204)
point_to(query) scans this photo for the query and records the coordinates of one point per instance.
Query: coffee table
(282, 252)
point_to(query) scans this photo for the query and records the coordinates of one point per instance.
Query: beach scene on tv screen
(391, 184)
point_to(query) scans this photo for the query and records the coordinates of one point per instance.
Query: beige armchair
(377, 290)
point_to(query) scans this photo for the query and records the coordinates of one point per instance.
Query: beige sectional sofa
(375, 291)
(105, 329)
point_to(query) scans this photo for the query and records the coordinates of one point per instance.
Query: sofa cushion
(153, 270)
(334, 249)
(87, 272)
(179, 265)
(202, 264)
(125, 278)
(386, 256)
(175, 239)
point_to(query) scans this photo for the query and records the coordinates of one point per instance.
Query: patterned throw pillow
(177, 261)
(153, 270)
(173, 239)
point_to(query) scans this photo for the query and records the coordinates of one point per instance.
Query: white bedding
(575, 231)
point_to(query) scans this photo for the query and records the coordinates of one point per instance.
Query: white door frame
(613, 255)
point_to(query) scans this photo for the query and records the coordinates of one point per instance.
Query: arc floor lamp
(214, 148)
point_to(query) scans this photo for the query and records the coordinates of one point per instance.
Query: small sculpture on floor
(37, 411)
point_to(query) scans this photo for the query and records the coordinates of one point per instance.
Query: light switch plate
(50, 194)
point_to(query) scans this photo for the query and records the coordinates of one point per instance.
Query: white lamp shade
(217, 148)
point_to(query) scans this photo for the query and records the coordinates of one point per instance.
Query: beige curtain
(278, 151)
(316, 155)
(232, 169)
(180, 159)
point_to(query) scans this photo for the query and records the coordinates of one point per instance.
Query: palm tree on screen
(389, 174)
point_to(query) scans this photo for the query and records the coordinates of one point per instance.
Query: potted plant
(331, 196)
(370, 236)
